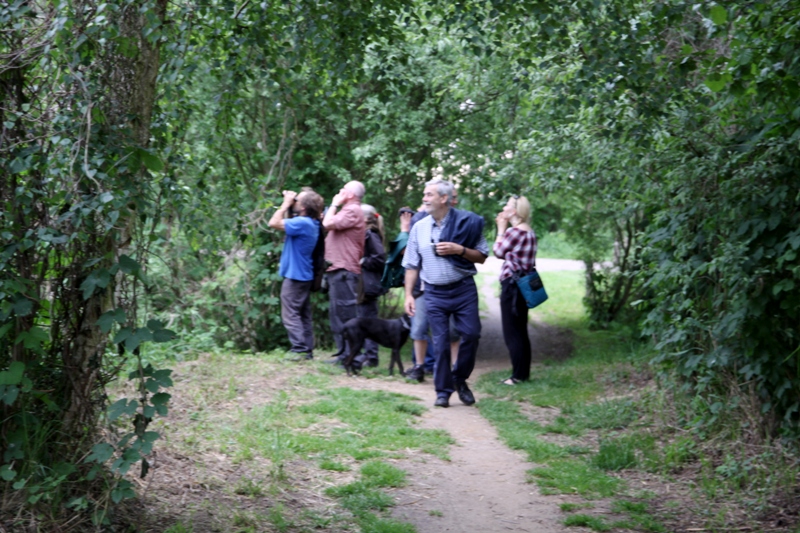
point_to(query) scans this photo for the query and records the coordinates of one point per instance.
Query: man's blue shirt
(301, 238)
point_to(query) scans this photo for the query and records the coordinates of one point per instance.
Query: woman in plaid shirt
(516, 244)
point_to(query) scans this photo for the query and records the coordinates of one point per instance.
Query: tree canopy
(143, 144)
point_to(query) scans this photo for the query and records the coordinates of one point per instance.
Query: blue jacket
(464, 228)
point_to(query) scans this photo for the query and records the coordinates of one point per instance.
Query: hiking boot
(416, 372)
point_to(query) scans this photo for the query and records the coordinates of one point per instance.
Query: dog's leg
(355, 341)
(347, 363)
(398, 360)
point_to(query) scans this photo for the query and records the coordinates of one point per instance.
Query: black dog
(390, 333)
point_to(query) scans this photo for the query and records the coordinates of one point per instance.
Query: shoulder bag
(532, 288)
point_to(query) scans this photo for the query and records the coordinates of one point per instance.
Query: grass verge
(279, 447)
(599, 430)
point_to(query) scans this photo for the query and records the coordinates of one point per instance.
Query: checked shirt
(518, 248)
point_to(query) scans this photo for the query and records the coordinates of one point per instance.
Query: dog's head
(405, 320)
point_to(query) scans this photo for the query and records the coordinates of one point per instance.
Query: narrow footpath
(483, 487)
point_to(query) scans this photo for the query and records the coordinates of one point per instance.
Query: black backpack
(318, 263)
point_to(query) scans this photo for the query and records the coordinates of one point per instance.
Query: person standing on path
(344, 248)
(442, 251)
(302, 231)
(424, 359)
(517, 246)
(372, 265)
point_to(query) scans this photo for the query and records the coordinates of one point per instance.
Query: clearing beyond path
(483, 488)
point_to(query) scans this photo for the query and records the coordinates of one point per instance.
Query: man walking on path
(344, 248)
(296, 266)
(442, 250)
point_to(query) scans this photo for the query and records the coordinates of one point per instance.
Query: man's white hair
(444, 188)
(357, 188)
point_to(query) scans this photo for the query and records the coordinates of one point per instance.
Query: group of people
(437, 250)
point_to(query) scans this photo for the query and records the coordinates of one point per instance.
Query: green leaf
(33, 338)
(128, 265)
(99, 278)
(786, 285)
(101, 453)
(717, 82)
(154, 324)
(121, 335)
(5, 328)
(152, 162)
(23, 306)
(719, 15)
(163, 377)
(122, 407)
(138, 336)
(12, 376)
(163, 335)
(7, 473)
(161, 398)
(108, 318)
(8, 394)
(123, 491)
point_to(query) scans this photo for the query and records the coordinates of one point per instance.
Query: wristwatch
(463, 250)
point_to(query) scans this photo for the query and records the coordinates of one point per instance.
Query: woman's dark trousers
(514, 315)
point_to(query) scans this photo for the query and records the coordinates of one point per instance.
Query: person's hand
(502, 222)
(449, 248)
(339, 199)
(410, 305)
(289, 197)
(405, 222)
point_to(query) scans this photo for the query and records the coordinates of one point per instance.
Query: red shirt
(344, 244)
(518, 248)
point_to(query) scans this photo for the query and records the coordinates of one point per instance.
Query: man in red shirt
(344, 248)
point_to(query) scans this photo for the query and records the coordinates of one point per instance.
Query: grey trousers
(296, 314)
(343, 298)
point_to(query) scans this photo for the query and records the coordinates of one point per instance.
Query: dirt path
(483, 487)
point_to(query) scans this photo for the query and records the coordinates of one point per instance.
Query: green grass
(564, 305)
(555, 246)
(575, 476)
(576, 388)
(570, 507)
(341, 422)
(305, 420)
(581, 520)
(363, 497)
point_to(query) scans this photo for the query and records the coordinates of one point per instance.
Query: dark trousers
(369, 309)
(514, 315)
(343, 302)
(460, 301)
(296, 314)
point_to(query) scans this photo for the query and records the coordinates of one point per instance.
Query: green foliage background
(660, 138)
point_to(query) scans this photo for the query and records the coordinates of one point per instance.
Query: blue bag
(532, 289)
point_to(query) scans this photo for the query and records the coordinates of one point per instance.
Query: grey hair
(444, 188)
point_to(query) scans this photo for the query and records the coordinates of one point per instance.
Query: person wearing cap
(442, 250)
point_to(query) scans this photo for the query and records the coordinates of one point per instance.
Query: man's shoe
(362, 360)
(302, 357)
(464, 394)
(335, 361)
(441, 401)
(417, 373)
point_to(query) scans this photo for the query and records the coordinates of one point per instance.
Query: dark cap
(405, 209)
